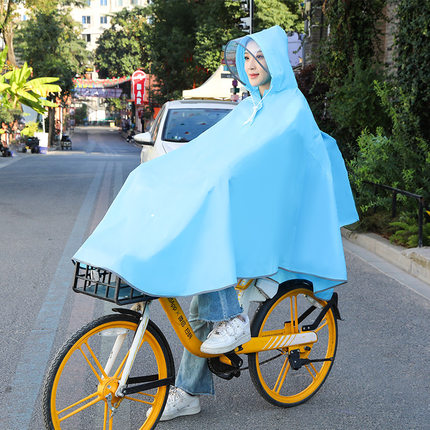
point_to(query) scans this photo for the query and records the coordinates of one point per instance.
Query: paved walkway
(5, 161)
(410, 267)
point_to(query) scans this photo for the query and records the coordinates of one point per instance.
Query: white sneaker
(179, 403)
(227, 335)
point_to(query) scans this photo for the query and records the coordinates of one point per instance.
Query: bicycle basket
(105, 285)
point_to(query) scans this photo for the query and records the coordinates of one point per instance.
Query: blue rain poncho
(263, 193)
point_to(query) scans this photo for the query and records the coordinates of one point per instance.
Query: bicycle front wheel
(79, 388)
(278, 378)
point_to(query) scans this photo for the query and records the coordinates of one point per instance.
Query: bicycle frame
(247, 291)
(276, 338)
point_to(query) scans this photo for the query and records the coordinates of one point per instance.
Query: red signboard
(138, 86)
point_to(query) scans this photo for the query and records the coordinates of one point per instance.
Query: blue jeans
(194, 376)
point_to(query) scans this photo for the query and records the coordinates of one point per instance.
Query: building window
(86, 20)
(88, 2)
(135, 2)
(87, 37)
(119, 2)
(103, 19)
(103, 2)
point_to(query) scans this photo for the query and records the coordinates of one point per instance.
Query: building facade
(96, 15)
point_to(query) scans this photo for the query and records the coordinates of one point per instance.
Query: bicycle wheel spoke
(80, 409)
(321, 326)
(291, 315)
(296, 311)
(105, 415)
(90, 364)
(110, 418)
(282, 375)
(118, 372)
(78, 403)
(120, 367)
(147, 402)
(96, 360)
(313, 375)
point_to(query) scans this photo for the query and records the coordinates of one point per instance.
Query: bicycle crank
(296, 362)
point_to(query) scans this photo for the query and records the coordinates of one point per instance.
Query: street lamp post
(246, 23)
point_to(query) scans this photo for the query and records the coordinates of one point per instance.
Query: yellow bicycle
(112, 370)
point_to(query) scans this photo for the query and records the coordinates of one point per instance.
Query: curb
(414, 261)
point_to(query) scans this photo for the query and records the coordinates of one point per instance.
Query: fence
(418, 197)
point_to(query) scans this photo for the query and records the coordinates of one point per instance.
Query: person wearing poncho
(263, 193)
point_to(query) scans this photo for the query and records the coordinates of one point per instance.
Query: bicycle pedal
(236, 361)
(223, 370)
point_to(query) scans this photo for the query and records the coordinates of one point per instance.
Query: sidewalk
(414, 261)
(5, 161)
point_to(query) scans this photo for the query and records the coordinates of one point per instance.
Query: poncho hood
(274, 45)
(245, 199)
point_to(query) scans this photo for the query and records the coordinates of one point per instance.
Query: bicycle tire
(271, 372)
(75, 376)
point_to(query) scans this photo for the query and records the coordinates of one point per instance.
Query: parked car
(178, 122)
(66, 142)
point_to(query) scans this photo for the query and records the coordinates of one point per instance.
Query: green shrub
(355, 106)
(81, 114)
(412, 58)
(30, 129)
(375, 162)
(412, 148)
(316, 94)
(406, 232)
(400, 160)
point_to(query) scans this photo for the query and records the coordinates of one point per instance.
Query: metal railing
(418, 197)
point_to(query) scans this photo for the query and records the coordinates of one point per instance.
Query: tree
(348, 63)
(17, 89)
(50, 42)
(285, 13)
(171, 45)
(354, 33)
(217, 22)
(413, 60)
(185, 40)
(9, 18)
(122, 48)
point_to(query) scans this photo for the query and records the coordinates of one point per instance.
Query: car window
(183, 125)
(156, 127)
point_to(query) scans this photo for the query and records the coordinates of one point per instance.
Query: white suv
(178, 122)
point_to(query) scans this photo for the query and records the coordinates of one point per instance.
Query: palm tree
(16, 88)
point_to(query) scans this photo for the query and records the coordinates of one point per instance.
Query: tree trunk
(8, 40)
(51, 126)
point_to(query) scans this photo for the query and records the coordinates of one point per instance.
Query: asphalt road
(50, 203)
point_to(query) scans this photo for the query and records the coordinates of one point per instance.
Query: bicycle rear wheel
(272, 371)
(79, 388)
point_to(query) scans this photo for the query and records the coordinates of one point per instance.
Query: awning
(218, 86)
